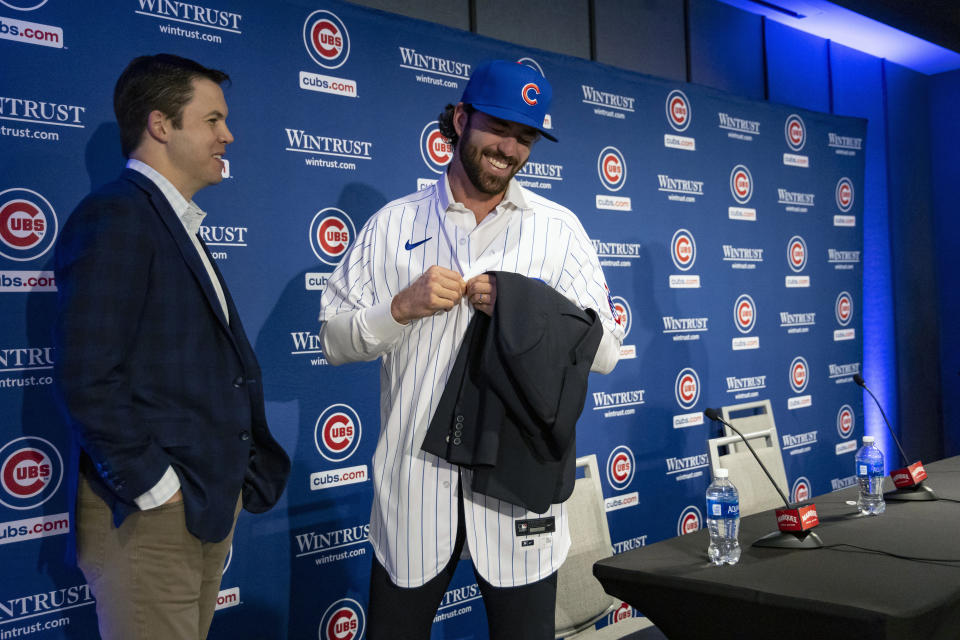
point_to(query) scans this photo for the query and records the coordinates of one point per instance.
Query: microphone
(908, 479)
(793, 521)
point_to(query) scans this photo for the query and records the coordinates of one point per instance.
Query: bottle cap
(721, 473)
(867, 439)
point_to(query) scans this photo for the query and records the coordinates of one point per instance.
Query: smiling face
(492, 150)
(195, 149)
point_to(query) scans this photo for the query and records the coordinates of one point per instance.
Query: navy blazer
(148, 372)
(510, 406)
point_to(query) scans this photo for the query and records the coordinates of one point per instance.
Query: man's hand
(438, 289)
(177, 497)
(482, 292)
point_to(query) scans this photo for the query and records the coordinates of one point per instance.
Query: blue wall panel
(945, 142)
(858, 91)
(726, 48)
(642, 36)
(450, 13)
(797, 68)
(914, 275)
(562, 26)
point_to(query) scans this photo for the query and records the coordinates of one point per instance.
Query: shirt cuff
(608, 353)
(168, 485)
(378, 320)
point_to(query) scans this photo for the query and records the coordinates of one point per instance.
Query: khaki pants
(153, 580)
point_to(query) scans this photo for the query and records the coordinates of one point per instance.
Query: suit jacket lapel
(183, 242)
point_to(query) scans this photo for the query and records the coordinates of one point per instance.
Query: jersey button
(244, 435)
(456, 441)
(238, 382)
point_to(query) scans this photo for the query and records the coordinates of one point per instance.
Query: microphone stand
(776, 539)
(919, 491)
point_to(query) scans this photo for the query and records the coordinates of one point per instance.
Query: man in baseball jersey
(405, 292)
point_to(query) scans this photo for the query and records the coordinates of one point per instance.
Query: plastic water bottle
(723, 520)
(870, 478)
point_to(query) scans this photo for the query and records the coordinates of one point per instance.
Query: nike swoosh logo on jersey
(410, 246)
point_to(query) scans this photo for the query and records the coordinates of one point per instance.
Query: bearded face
(492, 151)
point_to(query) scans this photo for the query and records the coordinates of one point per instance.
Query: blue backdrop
(730, 232)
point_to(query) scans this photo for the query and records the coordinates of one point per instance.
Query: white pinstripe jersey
(414, 517)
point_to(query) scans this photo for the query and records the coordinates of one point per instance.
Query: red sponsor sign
(909, 476)
(799, 519)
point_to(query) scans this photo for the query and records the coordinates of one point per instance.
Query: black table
(833, 592)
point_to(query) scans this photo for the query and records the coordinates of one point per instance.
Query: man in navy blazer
(158, 382)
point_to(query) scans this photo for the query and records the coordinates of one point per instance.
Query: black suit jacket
(510, 407)
(148, 371)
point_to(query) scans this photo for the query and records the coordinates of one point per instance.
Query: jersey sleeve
(583, 282)
(358, 324)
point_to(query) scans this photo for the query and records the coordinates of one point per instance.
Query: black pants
(396, 613)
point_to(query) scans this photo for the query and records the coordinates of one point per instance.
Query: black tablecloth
(833, 592)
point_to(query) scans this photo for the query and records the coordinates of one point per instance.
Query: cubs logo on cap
(511, 91)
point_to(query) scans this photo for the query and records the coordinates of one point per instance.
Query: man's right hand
(438, 289)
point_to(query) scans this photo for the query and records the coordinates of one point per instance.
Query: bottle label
(872, 469)
(718, 509)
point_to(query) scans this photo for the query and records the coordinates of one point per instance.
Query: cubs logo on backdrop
(744, 313)
(621, 467)
(843, 308)
(797, 254)
(795, 132)
(683, 250)
(799, 374)
(343, 620)
(331, 234)
(31, 470)
(690, 520)
(745, 319)
(28, 224)
(435, 149)
(326, 38)
(679, 113)
(844, 194)
(846, 420)
(686, 388)
(612, 168)
(800, 492)
(741, 184)
(337, 432)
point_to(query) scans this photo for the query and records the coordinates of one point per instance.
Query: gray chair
(755, 422)
(581, 600)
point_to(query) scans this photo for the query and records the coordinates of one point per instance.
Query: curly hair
(445, 120)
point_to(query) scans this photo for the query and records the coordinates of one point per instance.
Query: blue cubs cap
(511, 91)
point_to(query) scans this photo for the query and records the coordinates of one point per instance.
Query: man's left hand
(482, 292)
